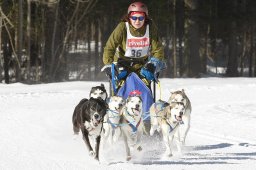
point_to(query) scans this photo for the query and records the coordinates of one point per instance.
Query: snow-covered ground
(36, 128)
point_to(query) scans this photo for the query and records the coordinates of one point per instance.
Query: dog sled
(134, 84)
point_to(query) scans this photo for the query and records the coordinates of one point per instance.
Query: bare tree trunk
(1, 27)
(194, 62)
(20, 41)
(168, 72)
(53, 41)
(174, 41)
(244, 51)
(96, 37)
(213, 41)
(89, 49)
(7, 56)
(43, 42)
(180, 8)
(48, 30)
(232, 58)
(233, 54)
(206, 51)
(253, 48)
(28, 40)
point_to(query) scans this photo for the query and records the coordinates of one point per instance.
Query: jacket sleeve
(157, 49)
(113, 42)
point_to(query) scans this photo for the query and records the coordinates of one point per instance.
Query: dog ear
(183, 91)
(127, 99)
(165, 104)
(102, 85)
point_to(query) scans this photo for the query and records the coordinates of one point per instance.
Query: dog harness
(114, 125)
(172, 128)
(134, 128)
(159, 106)
(132, 125)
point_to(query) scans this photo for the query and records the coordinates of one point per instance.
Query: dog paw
(97, 159)
(128, 158)
(139, 148)
(92, 154)
(168, 154)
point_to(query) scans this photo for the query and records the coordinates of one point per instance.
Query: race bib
(137, 47)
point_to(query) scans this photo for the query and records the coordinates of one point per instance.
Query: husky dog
(98, 91)
(132, 124)
(88, 117)
(166, 119)
(111, 127)
(180, 96)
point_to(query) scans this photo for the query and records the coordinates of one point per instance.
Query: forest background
(44, 41)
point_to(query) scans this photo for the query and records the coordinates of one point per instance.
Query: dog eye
(97, 116)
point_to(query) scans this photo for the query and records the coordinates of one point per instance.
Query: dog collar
(114, 125)
(113, 111)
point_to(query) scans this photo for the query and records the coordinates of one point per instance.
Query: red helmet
(139, 7)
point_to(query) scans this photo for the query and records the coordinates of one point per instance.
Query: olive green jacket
(116, 44)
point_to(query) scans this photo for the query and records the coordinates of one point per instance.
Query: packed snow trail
(36, 128)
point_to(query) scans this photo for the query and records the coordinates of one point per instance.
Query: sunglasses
(134, 18)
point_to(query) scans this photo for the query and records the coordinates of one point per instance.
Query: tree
(193, 40)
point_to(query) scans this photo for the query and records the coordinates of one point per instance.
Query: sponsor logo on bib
(138, 42)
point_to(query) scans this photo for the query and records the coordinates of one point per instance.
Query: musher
(134, 46)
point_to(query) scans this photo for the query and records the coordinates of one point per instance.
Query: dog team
(114, 118)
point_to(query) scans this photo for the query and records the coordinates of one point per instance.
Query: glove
(122, 74)
(158, 65)
(107, 70)
(148, 71)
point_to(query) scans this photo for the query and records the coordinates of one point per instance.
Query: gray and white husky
(180, 96)
(132, 124)
(166, 118)
(111, 126)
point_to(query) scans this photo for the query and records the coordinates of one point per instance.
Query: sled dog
(111, 126)
(132, 124)
(98, 91)
(88, 117)
(180, 96)
(166, 118)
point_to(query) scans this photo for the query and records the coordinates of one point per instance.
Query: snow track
(36, 129)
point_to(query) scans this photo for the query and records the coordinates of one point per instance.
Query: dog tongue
(136, 112)
(179, 118)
